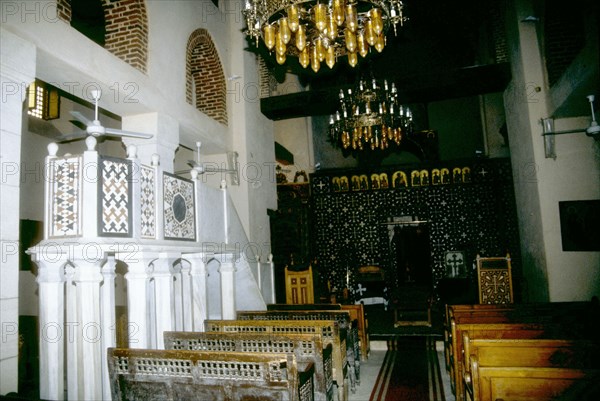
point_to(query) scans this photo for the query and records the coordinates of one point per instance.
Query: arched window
(205, 80)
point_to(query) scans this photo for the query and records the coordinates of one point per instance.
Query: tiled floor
(369, 370)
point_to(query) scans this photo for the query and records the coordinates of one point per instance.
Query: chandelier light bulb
(363, 47)
(284, 31)
(269, 36)
(293, 16)
(370, 35)
(315, 63)
(304, 57)
(376, 20)
(280, 58)
(350, 40)
(380, 43)
(300, 38)
(351, 17)
(280, 47)
(331, 29)
(330, 57)
(320, 12)
(337, 11)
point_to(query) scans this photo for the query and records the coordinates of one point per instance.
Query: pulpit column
(138, 330)
(87, 282)
(51, 325)
(227, 270)
(186, 295)
(109, 339)
(163, 295)
(199, 290)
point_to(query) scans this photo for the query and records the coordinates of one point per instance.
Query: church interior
(375, 170)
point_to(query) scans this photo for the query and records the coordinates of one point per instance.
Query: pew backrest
(307, 348)
(139, 374)
(329, 329)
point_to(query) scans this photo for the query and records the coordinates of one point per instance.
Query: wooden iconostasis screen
(468, 208)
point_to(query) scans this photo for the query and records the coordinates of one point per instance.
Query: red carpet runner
(410, 372)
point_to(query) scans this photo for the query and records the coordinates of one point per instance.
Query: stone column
(137, 277)
(51, 325)
(17, 71)
(71, 336)
(87, 281)
(186, 296)
(199, 290)
(227, 271)
(109, 326)
(164, 142)
(163, 295)
(177, 297)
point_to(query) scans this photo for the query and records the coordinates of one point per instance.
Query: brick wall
(126, 24)
(205, 78)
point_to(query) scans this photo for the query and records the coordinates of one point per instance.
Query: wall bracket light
(593, 131)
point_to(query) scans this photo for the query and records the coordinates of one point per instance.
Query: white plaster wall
(574, 175)
(296, 136)
(540, 183)
(17, 66)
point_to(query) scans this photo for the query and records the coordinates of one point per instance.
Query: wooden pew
(527, 353)
(549, 324)
(307, 348)
(533, 312)
(340, 316)
(329, 329)
(357, 312)
(139, 374)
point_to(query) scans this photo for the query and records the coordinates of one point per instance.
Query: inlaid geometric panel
(65, 196)
(115, 197)
(148, 202)
(179, 208)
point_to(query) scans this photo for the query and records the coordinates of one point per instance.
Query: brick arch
(126, 29)
(204, 77)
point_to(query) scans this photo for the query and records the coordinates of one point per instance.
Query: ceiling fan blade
(81, 118)
(78, 124)
(118, 132)
(71, 137)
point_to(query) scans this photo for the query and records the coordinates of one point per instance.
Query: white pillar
(177, 297)
(71, 336)
(17, 71)
(164, 142)
(107, 313)
(227, 272)
(199, 290)
(137, 278)
(87, 281)
(163, 295)
(51, 325)
(186, 296)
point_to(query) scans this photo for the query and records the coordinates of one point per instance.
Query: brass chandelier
(321, 30)
(371, 117)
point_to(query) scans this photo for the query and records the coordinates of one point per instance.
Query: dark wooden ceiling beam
(442, 85)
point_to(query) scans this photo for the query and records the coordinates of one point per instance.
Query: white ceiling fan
(232, 164)
(94, 128)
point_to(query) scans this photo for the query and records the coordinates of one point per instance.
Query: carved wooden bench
(139, 374)
(527, 353)
(327, 328)
(341, 316)
(357, 313)
(307, 348)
